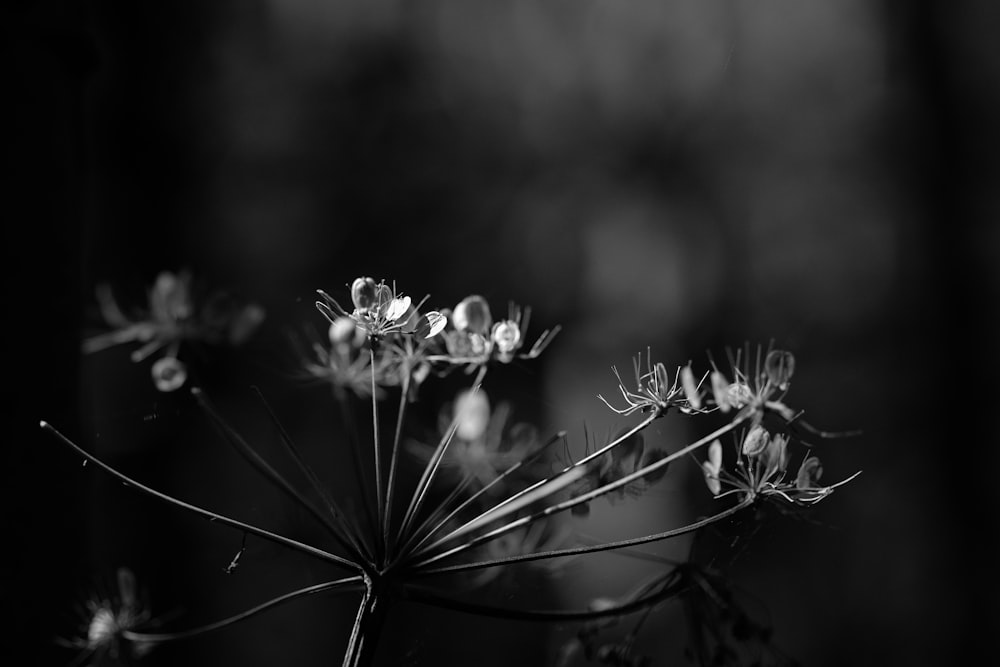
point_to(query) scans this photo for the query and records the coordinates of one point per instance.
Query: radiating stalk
(377, 445)
(393, 462)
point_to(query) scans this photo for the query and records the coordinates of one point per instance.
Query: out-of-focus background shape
(680, 175)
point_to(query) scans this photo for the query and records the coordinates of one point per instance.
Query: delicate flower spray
(492, 492)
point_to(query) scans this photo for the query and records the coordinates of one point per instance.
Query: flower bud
(809, 473)
(712, 467)
(779, 366)
(662, 378)
(756, 441)
(776, 455)
(473, 412)
(506, 336)
(720, 391)
(472, 315)
(690, 388)
(364, 294)
(343, 333)
(169, 374)
(170, 298)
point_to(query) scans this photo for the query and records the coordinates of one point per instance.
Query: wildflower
(473, 338)
(485, 443)
(110, 625)
(761, 471)
(754, 393)
(506, 338)
(343, 361)
(378, 310)
(173, 316)
(654, 390)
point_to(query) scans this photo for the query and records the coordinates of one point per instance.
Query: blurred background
(680, 175)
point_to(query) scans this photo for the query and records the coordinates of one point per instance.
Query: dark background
(681, 175)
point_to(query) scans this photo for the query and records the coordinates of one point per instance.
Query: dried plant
(493, 493)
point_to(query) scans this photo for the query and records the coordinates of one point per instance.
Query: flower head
(655, 392)
(175, 314)
(473, 338)
(485, 443)
(762, 470)
(111, 622)
(380, 311)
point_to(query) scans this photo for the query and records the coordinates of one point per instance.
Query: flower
(110, 625)
(173, 316)
(380, 311)
(761, 470)
(473, 338)
(485, 443)
(343, 360)
(654, 390)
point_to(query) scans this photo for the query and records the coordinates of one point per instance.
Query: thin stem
(368, 624)
(540, 489)
(575, 551)
(219, 625)
(256, 460)
(468, 501)
(331, 505)
(379, 501)
(343, 399)
(421, 531)
(564, 505)
(420, 493)
(204, 513)
(672, 584)
(390, 486)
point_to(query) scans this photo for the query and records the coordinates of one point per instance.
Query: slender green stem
(207, 514)
(160, 638)
(393, 462)
(591, 548)
(544, 491)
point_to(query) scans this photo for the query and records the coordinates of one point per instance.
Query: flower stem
(394, 460)
(159, 638)
(363, 643)
(204, 513)
(379, 501)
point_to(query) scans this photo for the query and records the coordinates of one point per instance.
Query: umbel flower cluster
(493, 494)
